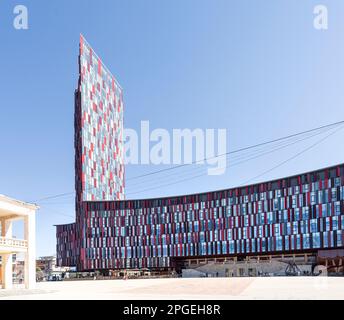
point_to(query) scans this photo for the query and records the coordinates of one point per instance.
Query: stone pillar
(6, 228)
(7, 262)
(30, 256)
(7, 271)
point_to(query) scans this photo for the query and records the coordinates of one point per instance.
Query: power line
(285, 161)
(209, 158)
(293, 157)
(281, 144)
(238, 150)
(54, 196)
(244, 159)
(56, 212)
(265, 172)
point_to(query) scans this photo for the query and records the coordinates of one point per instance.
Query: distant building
(46, 268)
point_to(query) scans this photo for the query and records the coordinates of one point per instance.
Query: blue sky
(259, 69)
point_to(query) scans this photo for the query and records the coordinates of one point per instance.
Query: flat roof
(18, 203)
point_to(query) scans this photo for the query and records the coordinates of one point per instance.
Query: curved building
(302, 214)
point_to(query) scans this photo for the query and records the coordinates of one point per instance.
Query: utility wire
(54, 211)
(236, 151)
(250, 156)
(194, 162)
(293, 157)
(232, 163)
(285, 161)
(258, 176)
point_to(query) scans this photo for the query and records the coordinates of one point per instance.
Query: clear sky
(257, 68)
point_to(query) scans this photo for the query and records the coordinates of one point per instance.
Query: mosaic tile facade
(295, 214)
(99, 130)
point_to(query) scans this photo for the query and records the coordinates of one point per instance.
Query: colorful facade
(303, 213)
(297, 214)
(99, 130)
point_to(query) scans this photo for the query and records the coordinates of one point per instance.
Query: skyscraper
(98, 140)
(99, 158)
(302, 214)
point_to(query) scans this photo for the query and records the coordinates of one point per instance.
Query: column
(7, 271)
(6, 228)
(30, 256)
(7, 262)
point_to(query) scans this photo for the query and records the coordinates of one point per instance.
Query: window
(295, 227)
(260, 207)
(224, 247)
(305, 213)
(209, 249)
(248, 250)
(276, 205)
(242, 246)
(328, 224)
(337, 182)
(339, 238)
(246, 220)
(325, 239)
(260, 231)
(286, 243)
(331, 242)
(334, 194)
(334, 223)
(292, 242)
(264, 245)
(313, 198)
(270, 218)
(231, 247)
(306, 241)
(314, 225)
(253, 245)
(279, 243)
(324, 210)
(288, 225)
(298, 242)
(304, 227)
(270, 247)
(297, 189)
(337, 208)
(297, 213)
(277, 229)
(316, 240)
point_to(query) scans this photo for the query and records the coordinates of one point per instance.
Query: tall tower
(99, 155)
(99, 152)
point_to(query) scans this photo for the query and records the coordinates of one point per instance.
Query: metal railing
(16, 243)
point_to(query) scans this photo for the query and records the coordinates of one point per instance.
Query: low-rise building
(47, 269)
(12, 210)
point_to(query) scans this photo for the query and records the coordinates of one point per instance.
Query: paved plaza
(192, 288)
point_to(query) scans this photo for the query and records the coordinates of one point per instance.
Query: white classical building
(12, 210)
